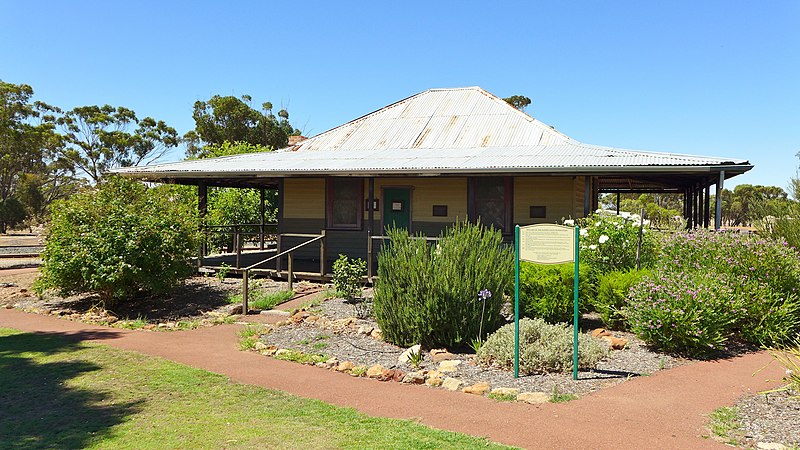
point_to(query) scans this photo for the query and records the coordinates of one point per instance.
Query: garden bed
(333, 330)
(197, 301)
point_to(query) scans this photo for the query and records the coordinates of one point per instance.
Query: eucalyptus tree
(99, 138)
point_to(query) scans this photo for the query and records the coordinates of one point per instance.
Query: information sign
(547, 243)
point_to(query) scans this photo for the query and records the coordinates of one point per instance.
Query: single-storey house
(439, 156)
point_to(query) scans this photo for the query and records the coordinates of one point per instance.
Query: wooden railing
(371, 249)
(290, 257)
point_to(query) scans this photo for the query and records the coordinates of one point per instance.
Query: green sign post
(546, 244)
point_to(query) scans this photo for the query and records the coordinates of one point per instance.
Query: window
(538, 212)
(345, 197)
(491, 201)
(439, 210)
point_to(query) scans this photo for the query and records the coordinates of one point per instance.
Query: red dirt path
(665, 410)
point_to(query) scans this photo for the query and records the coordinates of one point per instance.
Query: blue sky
(700, 77)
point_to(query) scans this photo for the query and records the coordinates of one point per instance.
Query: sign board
(547, 243)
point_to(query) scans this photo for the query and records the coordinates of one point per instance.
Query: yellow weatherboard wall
(557, 194)
(427, 192)
(304, 198)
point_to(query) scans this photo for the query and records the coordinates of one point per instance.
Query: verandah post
(516, 301)
(575, 307)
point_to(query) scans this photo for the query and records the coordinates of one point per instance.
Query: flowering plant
(608, 242)
(685, 312)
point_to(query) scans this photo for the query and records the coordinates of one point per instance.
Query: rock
(365, 329)
(533, 398)
(149, 326)
(9, 306)
(450, 365)
(434, 374)
(260, 346)
(413, 378)
(311, 319)
(359, 371)
(331, 362)
(270, 350)
(440, 354)
(398, 375)
(477, 388)
(375, 371)
(236, 310)
(615, 343)
(299, 316)
(282, 351)
(339, 325)
(281, 323)
(505, 391)
(377, 334)
(344, 366)
(434, 381)
(386, 375)
(275, 312)
(770, 446)
(405, 357)
(599, 332)
(452, 384)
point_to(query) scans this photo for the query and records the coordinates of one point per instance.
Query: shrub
(608, 242)
(766, 274)
(546, 291)
(347, 274)
(746, 257)
(685, 312)
(542, 348)
(118, 240)
(429, 294)
(613, 289)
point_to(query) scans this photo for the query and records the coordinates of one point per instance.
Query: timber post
(369, 256)
(291, 271)
(278, 259)
(237, 244)
(245, 293)
(322, 254)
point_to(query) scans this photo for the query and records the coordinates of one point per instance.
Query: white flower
(646, 222)
(597, 224)
(593, 247)
(603, 239)
(569, 222)
(584, 232)
(624, 214)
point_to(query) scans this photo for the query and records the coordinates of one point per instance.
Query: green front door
(397, 207)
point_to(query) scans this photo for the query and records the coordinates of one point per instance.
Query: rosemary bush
(429, 293)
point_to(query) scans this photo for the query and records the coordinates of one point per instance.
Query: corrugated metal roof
(528, 159)
(463, 130)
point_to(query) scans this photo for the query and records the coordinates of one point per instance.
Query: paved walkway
(667, 410)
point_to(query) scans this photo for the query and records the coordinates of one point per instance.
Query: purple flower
(484, 294)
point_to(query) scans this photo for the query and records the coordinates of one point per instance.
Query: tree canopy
(233, 119)
(97, 139)
(518, 101)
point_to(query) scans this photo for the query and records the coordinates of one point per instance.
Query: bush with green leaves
(118, 240)
(429, 293)
(609, 242)
(543, 348)
(546, 291)
(766, 274)
(347, 276)
(613, 289)
(691, 313)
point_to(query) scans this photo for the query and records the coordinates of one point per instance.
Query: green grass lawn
(59, 394)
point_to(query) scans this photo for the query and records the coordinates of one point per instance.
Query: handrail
(284, 252)
(427, 238)
(246, 270)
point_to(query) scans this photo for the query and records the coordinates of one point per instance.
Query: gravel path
(348, 345)
(773, 417)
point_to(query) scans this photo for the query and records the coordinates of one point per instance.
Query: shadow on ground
(39, 407)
